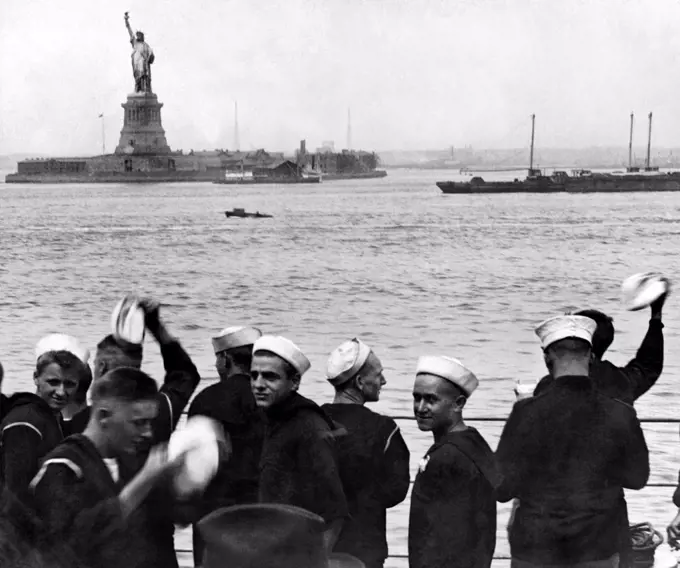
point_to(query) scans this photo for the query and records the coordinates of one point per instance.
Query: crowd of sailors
(86, 473)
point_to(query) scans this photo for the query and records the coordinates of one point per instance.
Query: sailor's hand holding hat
(132, 316)
(646, 289)
(159, 464)
(201, 447)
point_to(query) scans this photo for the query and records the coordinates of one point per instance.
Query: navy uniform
(231, 403)
(298, 463)
(372, 457)
(627, 384)
(30, 428)
(566, 455)
(452, 521)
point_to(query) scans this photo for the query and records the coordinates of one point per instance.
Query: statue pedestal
(142, 131)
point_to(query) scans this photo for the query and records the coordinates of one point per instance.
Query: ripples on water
(394, 261)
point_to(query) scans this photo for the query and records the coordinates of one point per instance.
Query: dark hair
(604, 332)
(65, 359)
(124, 383)
(84, 383)
(570, 346)
(456, 389)
(2, 373)
(241, 356)
(109, 344)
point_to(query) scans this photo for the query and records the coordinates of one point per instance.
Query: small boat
(239, 212)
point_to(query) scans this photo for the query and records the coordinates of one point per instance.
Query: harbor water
(394, 261)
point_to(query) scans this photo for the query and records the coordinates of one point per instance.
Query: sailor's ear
(99, 367)
(103, 415)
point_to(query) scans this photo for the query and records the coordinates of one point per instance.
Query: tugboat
(239, 212)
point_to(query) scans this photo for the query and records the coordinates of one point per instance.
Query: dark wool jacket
(298, 464)
(452, 521)
(28, 432)
(566, 455)
(373, 461)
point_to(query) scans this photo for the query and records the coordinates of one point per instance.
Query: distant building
(326, 161)
(250, 161)
(327, 147)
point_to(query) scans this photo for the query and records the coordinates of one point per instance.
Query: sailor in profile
(453, 505)
(372, 457)
(566, 455)
(298, 464)
(231, 403)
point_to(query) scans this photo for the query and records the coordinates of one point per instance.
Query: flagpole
(103, 135)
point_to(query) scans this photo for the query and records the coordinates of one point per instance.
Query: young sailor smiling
(453, 504)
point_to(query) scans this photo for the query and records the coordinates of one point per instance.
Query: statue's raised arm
(129, 29)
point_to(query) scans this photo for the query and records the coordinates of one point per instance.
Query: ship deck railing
(651, 504)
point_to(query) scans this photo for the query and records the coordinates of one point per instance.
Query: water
(409, 270)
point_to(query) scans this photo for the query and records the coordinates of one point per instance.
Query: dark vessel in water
(581, 181)
(242, 213)
(535, 182)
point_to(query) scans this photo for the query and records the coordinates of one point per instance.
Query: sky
(416, 74)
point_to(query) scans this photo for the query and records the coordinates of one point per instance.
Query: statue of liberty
(142, 58)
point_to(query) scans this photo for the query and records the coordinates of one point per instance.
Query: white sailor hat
(346, 360)
(285, 349)
(197, 445)
(562, 327)
(128, 320)
(449, 369)
(62, 342)
(235, 336)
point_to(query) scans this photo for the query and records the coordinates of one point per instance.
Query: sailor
(231, 402)
(181, 375)
(453, 506)
(33, 423)
(373, 458)
(625, 383)
(298, 464)
(80, 492)
(641, 373)
(59, 341)
(268, 536)
(566, 455)
(181, 380)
